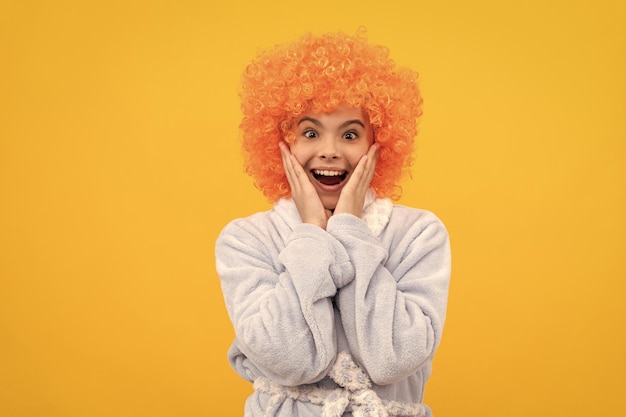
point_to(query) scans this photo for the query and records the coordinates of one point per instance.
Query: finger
(287, 163)
(370, 166)
(292, 167)
(364, 171)
(373, 152)
(296, 176)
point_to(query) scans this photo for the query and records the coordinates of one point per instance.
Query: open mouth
(329, 177)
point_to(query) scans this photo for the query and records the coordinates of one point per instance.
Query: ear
(289, 138)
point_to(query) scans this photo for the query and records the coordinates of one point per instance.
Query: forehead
(340, 114)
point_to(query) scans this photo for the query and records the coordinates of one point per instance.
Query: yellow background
(119, 165)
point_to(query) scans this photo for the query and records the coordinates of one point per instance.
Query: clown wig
(320, 74)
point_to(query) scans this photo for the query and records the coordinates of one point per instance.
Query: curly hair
(320, 74)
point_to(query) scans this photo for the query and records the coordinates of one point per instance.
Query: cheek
(299, 153)
(357, 155)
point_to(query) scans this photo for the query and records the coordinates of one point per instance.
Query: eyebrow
(344, 124)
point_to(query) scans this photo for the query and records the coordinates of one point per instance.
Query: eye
(309, 133)
(351, 135)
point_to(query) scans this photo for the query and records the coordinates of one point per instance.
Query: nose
(328, 149)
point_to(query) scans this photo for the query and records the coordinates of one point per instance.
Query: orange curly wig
(321, 74)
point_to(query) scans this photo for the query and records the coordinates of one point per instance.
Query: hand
(352, 197)
(303, 193)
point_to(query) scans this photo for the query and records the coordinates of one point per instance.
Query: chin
(329, 204)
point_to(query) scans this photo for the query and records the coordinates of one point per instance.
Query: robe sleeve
(394, 310)
(279, 298)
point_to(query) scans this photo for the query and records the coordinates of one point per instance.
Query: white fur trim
(355, 394)
(376, 212)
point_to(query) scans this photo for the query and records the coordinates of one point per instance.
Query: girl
(337, 295)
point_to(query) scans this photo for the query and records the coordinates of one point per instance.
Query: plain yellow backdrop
(119, 165)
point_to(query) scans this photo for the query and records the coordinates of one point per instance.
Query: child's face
(329, 146)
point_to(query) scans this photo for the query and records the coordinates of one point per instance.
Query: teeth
(327, 173)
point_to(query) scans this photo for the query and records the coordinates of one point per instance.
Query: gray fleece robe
(298, 295)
